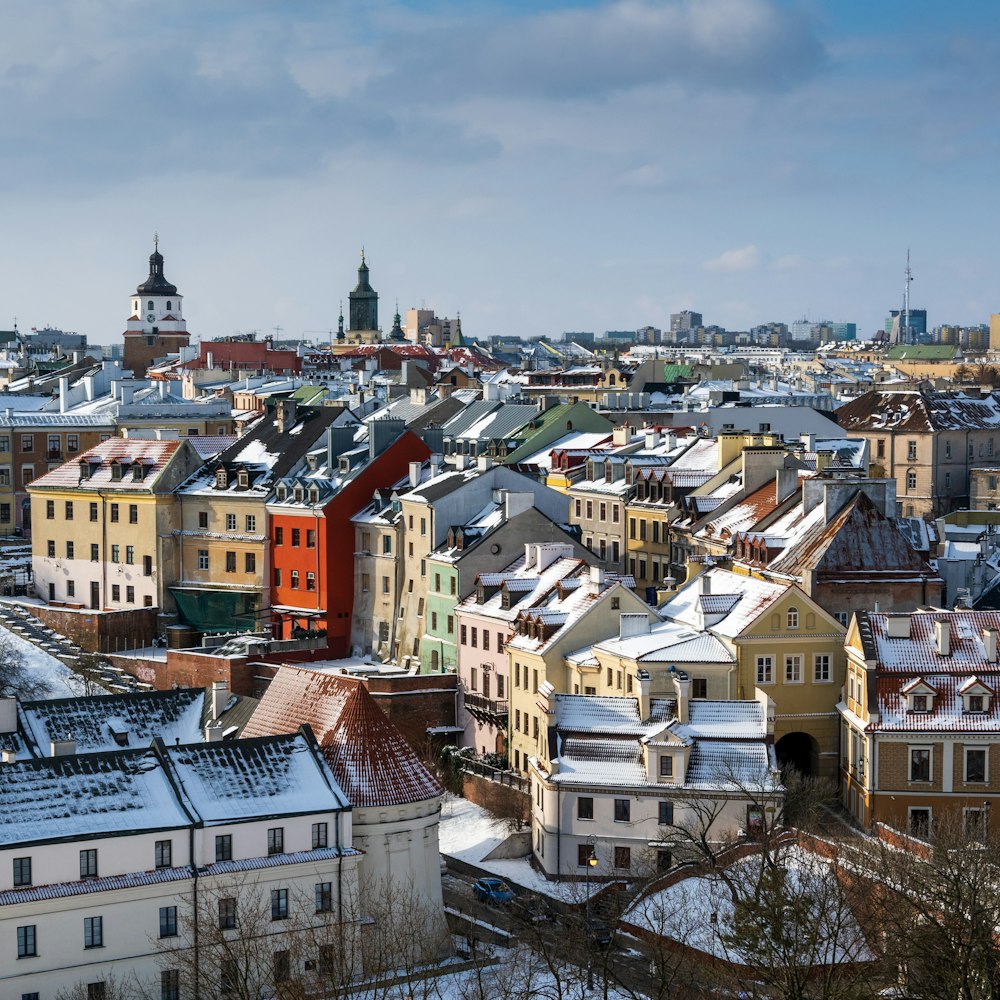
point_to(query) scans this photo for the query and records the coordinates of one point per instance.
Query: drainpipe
(196, 922)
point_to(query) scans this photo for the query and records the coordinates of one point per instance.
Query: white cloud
(787, 262)
(742, 259)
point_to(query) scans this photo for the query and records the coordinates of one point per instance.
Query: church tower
(156, 325)
(363, 309)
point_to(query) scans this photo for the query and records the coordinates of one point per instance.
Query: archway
(798, 751)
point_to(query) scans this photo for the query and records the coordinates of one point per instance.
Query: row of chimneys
(218, 697)
(898, 627)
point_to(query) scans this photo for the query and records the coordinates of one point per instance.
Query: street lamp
(591, 863)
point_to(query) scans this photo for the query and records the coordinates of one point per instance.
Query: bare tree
(17, 679)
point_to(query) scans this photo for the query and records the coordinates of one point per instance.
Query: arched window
(612, 379)
(169, 306)
(149, 304)
(792, 619)
(911, 479)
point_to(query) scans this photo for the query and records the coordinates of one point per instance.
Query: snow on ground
(62, 682)
(143, 653)
(469, 833)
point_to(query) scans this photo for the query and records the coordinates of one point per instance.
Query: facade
(156, 325)
(363, 313)
(621, 777)
(920, 720)
(103, 852)
(984, 488)
(107, 523)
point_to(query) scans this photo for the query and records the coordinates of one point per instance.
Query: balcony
(492, 711)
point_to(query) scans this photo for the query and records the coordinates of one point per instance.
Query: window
(295, 579)
(129, 555)
(279, 536)
(170, 984)
(168, 921)
(230, 562)
(147, 565)
(918, 702)
(282, 966)
(699, 687)
(279, 904)
(22, 872)
(97, 991)
(72, 443)
(26, 945)
(793, 669)
(976, 823)
(50, 549)
(95, 552)
(116, 553)
(27, 442)
(93, 932)
(88, 863)
(920, 823)
(93, 512)
(5, 509)
(667, 766)
(296, 536)
(251, 522)
(276, 840)
(114, 512)
(666, 814)
(230, 522)
(584, 852)
(462, 632)
(224, 847)
(324, 897)
(202, 558)
(623, 810)
(920, 764)
(319, 835)
(911, 451)
(310, 581)
(499, 638)
(227, 914)
(69, 510)
(765, 669)
(250, 562)
(386, 545)
(623, 857)
(585, 807)
(792, 618)
(975, 702)
(163, 852)
(911, 480)
(663, 860)
(821, 667)
(228, 977)
(475, 637)
(975, 764)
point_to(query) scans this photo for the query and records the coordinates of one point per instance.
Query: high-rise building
(995, 331)
(685, 320)
(918, 326)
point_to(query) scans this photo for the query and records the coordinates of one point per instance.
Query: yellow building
(105, 525)
(786, 646)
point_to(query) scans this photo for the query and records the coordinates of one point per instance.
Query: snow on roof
(153, 456)
(755, 596)
(668, 640)
(369, 756)
(725, 720)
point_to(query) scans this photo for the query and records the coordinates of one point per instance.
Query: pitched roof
(372, 761)
(919, 410)
(152, 456)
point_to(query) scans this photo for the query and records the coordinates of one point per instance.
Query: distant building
(583, 337)
(995, 331)
(363, 310)
(918, 326)
(685, 320)
(156, 325)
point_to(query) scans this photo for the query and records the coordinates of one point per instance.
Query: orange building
(312, 536)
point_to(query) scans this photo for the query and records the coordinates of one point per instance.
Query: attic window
(314, 494)
(345, 465)
(116, 470)
(243, 479)
(297, 493)
(975, 703)
(85, 470)
(281, 491)
(138, 471)
(918, 703)
(221, 479)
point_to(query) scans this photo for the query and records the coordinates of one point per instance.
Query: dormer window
(919, 696)
(138, 472)
(221, 479)
(297, 493)
(85, 470)
(976, 704)
(975, 696)
(281, 491)
(314, 494)
(918, 703)
(345, 466)
(243, 479)
(116, 471)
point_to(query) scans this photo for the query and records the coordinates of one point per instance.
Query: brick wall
(416, 704)
(894, 766)
(101, 631)
(190, 668)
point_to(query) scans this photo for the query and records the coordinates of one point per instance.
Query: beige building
(106, 525)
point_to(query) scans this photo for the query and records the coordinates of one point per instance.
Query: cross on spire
(156, 242)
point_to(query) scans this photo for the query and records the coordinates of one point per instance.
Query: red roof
(372, 761)
(153, 456)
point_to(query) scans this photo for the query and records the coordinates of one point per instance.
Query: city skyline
(538, 168)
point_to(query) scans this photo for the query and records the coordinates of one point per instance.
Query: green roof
(671, 373)
(306, 394)
(921, 352)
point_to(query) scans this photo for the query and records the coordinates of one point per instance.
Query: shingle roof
(154, 456)
(371, 759)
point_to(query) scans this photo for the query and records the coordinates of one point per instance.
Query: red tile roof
(369, 756)
(154, 456)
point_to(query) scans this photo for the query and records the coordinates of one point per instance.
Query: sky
(536, 166)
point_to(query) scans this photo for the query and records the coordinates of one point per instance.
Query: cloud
(787, 262)
(742, 259)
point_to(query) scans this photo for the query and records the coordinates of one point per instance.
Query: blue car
(492, 890)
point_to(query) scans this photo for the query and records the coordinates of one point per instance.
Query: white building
(628, 780)
(104, 855)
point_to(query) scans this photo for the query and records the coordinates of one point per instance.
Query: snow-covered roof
(755, 596)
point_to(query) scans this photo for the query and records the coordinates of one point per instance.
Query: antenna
(907, 279)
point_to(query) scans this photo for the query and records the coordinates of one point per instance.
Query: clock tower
(156, 325)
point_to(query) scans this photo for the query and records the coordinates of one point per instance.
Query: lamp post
(591, 863)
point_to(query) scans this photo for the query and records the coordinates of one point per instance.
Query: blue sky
(538, 167)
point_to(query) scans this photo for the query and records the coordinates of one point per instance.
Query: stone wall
(101, 631)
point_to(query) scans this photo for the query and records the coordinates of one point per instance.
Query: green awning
(217, 610)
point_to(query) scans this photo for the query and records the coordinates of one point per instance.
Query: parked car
(492, 890)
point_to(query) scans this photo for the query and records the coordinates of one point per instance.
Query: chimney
(642, 676)
(484, 463)
(620, 435)
(529, 555)
(382, 433)
(682, 688)
(704, 584)
(808, 442)
(652, 439)
(286, 415)
(632, 624)
(415, 468)
(436, 462)
(213, 732)
(63, 748)
(596, 580)
(990, 644)
(218, 695)
(8, 715)
(209, 360)
(7, 756)
(338, 440)
(942, 636)
(785, 483)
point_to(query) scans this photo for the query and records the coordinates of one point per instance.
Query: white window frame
(910, 747)
(768, 662)
(792, 618)
(793, 660)
(985, 750)
(828, 679)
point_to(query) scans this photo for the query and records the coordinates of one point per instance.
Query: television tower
(907, 280)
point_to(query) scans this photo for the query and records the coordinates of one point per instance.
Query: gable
(812, 619)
